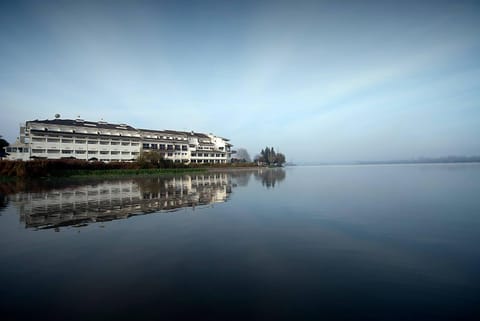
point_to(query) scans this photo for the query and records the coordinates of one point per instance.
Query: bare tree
(242, 155)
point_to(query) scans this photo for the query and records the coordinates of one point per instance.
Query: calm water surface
(301, 243)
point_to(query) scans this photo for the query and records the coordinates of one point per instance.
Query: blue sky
(320, 80)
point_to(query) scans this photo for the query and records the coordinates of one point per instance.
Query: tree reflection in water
(269, 177)
(3, 202)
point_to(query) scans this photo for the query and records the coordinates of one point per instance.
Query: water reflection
(269, 177)
(118, 199)
(45, 205)
(3, 202)
(328, 243)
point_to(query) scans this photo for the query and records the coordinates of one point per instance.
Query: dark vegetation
(147, 163)
(269, 157)
(72, 167)
(3, 144)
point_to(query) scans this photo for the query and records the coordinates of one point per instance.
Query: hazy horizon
(319, 81)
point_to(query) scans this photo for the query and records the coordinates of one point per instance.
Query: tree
(151, 159)
(154, 159)
(243, 156)
(270, 157)
(280, 159)
(3, 144)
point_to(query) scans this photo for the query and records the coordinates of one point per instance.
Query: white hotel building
(102, 141)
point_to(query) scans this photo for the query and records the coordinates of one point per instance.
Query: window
(194, 154)
(38, 139)
(104, 152)
(93, 142)
(67, 141)
(125, 153)
(162, 146)
(184, 147)
(38, 150)
(104, 142)
(66, 151)
(92, 152)
(79, 141)
(135, 144)
(115, 152)
(53, 151)
(115, 143)
(79, 152)
(53, 140)
(169, 147)
(170, 154)
(177, 147)
(125, 143)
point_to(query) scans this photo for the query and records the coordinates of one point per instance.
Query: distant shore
(446, 160)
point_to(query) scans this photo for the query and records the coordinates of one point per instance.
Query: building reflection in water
(44, 206)
(119, 199)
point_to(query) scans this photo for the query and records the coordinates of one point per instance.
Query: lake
(398, 242)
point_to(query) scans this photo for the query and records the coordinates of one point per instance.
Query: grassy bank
(68, 167)
(79, 168)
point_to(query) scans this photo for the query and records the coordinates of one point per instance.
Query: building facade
(102, 141)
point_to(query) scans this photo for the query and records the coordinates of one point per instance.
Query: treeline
(269, 157)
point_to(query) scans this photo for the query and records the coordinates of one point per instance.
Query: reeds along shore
(72, 167)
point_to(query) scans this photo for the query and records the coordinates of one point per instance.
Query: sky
(321, 81)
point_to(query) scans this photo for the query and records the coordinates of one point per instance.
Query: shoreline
(125, 173)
